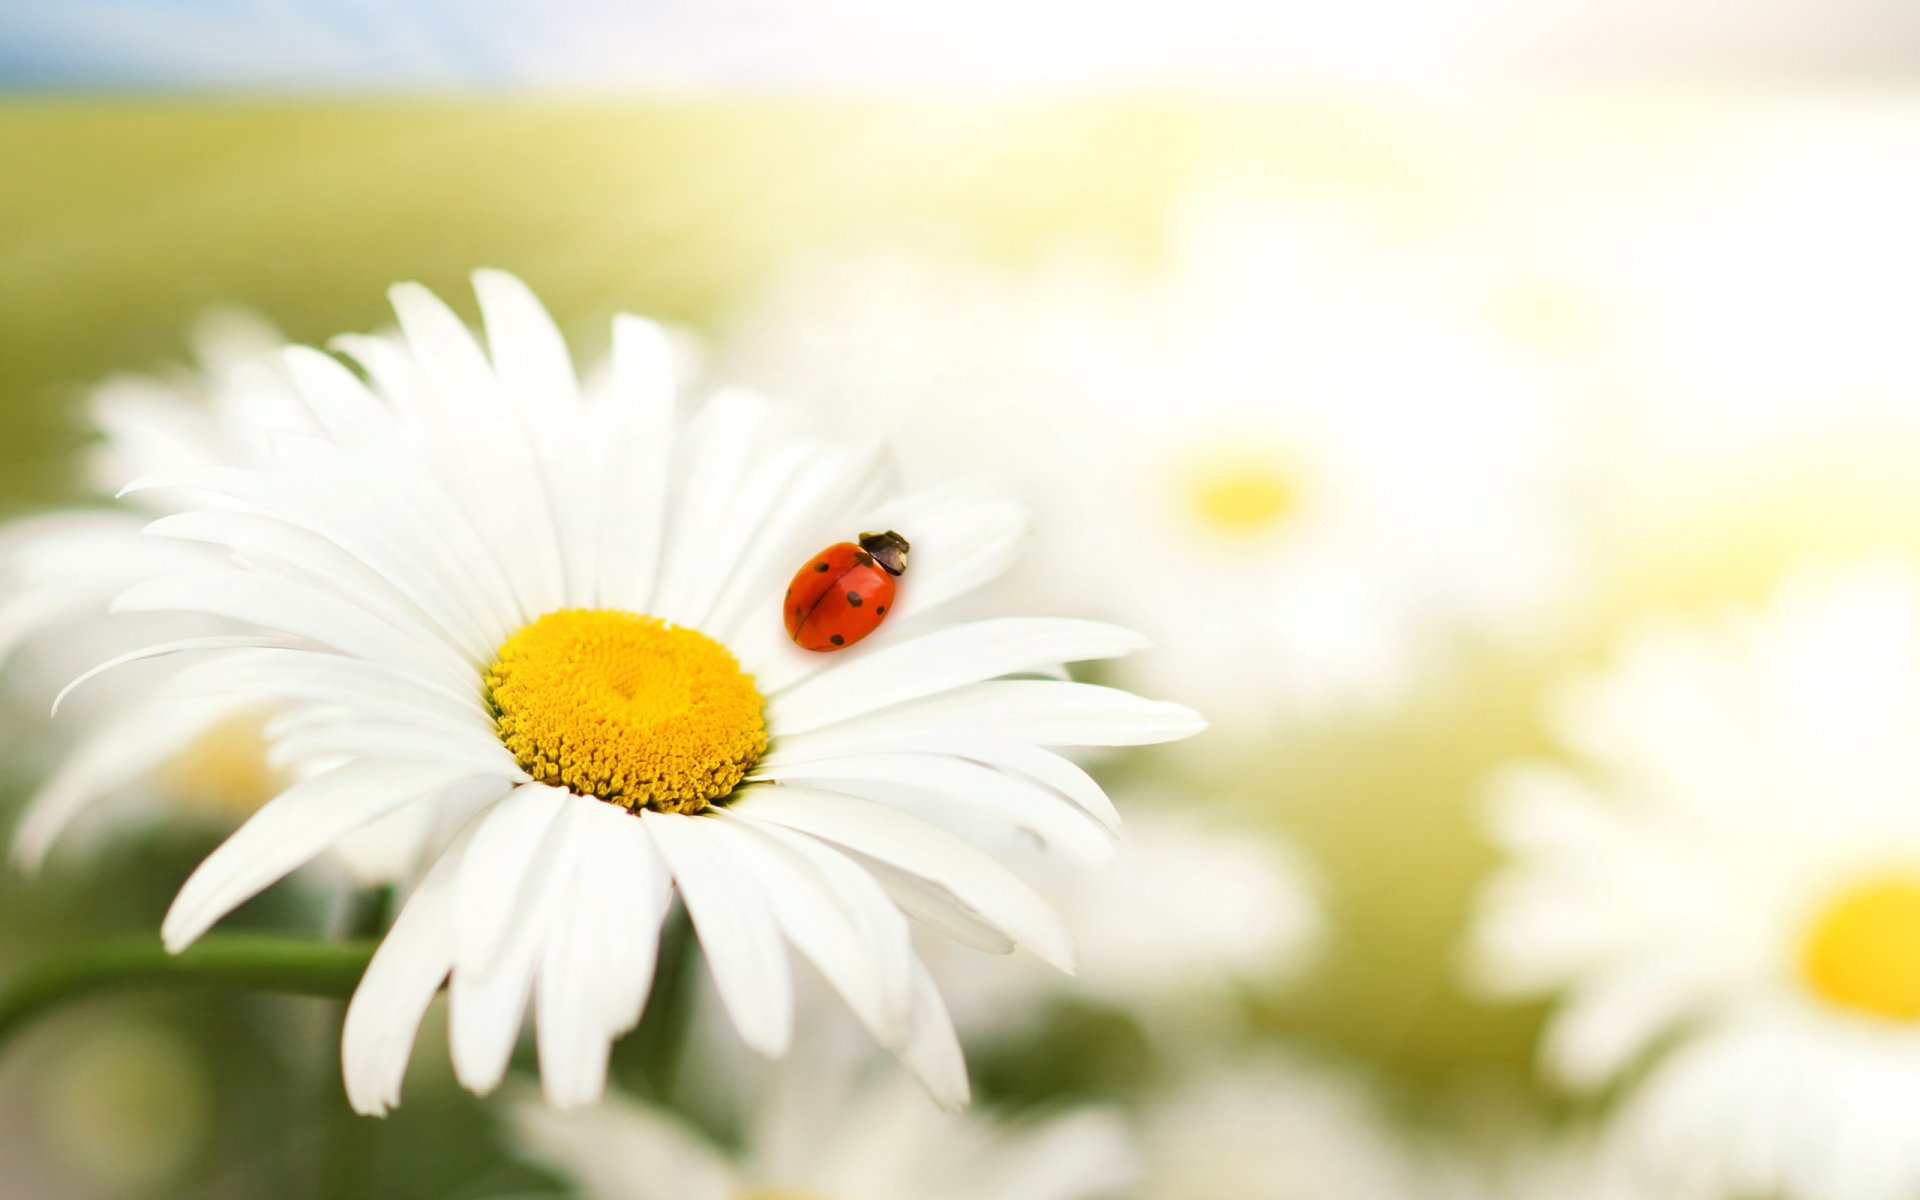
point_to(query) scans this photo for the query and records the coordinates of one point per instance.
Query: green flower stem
(242, 962)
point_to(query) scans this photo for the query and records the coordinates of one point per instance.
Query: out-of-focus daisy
(1276, 1128)
(1578, 1165)
(830, 1134)
(1288, 460)
(139, 750)
(1139, 949)
(548, 624)
(1729, 882)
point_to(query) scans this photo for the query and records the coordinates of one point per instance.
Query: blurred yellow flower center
(1864, 950)
(627, 709)
(224, 772)
(1243, 494)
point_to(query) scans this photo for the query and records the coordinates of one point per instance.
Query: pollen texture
(1864, 951)
(627, 709)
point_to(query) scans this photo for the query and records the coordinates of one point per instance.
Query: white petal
(522, 530)
(485, 1008)
(938, 909)
(738, 935)
(529, 354)
(961, 788)
(349, 413)
(293, 608)
(1043, 712)
(909, 668)
(718, 446)
(292, 828)
(269, 542)
(115, 753)
(874, 980)
(495, 869)
(622, 1151)
(1061, 774)
(918, 848)
(407, 970)
(932, 1049)
(531, 360)
(163, 649)
(635, 466)
(599, 955)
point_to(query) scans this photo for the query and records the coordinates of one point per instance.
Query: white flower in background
(1291, 461)
(1577, 1165)
(1729, 882)
(1276, 1128)
(548, 625)
(140, 750)
(1139, 948)
(830, 1135)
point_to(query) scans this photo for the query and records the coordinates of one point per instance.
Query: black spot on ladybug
(819, 566)
(853, 598)
(866, 560)
(837, 640)
(881, 611)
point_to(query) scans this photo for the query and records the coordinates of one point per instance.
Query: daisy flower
(1725, 889)
(1284, 459)
(140, 750)
(548, 627)
(838, 1135)
(1139, 954)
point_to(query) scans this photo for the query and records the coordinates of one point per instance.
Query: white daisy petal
(599, 959)
(620, 1149)
(495, 867)
(524, 539)
(340, 403)
(1043, 711)
(956, 786)
(718, 444)
(528, 352)
(942, 661)
(809, 905)
(294, 827)
(932, 1050)
(124, 746)
(298, 610)
(938, 909)
(637, 441)
(384, 1015)
(744, 949)
(920, 849)
(485, 1007)
(1061, 774)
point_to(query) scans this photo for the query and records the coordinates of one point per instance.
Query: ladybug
(843, 593)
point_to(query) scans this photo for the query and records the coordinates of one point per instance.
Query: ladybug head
(889, 549)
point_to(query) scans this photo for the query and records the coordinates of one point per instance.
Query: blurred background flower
(1472, 399)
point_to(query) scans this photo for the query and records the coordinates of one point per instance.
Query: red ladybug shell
(840, 596)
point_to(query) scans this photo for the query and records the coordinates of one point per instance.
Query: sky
(428, 45)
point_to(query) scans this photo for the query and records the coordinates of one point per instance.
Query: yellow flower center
(1864, 950)
(627, 709)
(224, 772)
(1243, 494)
